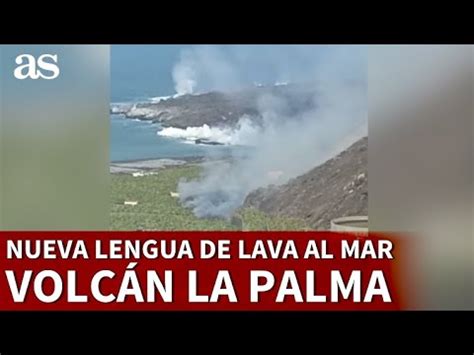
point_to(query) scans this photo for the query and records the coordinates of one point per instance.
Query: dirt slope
(337, 188)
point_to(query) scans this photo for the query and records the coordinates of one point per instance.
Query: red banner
(199, 271)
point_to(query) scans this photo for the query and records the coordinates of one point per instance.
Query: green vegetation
(252, 219)
(156, 209)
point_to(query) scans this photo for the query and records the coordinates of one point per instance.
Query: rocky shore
(141, 166)
(218, 108)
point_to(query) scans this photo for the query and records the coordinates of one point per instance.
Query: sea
(139, 74)
(132, 139)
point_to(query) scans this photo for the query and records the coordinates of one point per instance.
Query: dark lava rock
(224, 109)
(206, 142)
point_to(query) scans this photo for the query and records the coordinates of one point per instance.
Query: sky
(143, 71)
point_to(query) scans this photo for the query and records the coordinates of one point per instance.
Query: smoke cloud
(288, 142)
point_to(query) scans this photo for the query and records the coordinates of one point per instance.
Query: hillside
(337, 188)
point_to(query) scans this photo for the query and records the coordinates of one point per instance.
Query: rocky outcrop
(337, 188)
(219, 108)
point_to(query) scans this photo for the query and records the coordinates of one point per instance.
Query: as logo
(43, 68)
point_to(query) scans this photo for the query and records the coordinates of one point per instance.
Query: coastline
(147, 165)
(152, 165)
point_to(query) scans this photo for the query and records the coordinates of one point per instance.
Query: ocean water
(138, 140)
(140, 73)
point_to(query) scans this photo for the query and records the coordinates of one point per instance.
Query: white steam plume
(287, 145)
(245, 132)
(184, 76)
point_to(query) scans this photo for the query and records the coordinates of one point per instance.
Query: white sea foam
(160, 98)
(157, 99)
(244, 133)
(119, 107)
